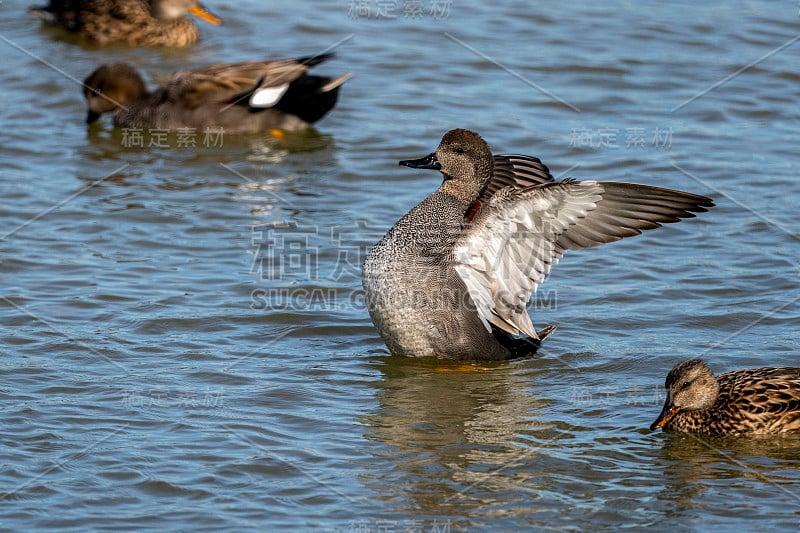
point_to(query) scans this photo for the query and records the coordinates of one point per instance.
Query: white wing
(268, 96)
(519, 234)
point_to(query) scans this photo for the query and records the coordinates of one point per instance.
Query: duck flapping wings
(525, 222)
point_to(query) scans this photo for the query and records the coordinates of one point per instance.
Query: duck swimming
(245, 97)
(130, 22)
(452, 278)
(756, 401)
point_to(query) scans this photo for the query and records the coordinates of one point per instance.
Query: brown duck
(756, 401)
(246, 97)
(131, 22)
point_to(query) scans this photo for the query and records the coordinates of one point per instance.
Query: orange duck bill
(202, 13)
(667, 413)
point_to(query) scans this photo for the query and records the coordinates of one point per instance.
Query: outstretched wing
(519, 234)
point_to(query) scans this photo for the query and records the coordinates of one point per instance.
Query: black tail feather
(311, 61)
(304, 99)
(521, 346)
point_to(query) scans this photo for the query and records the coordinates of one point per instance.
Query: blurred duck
(131, 22)
(756, 401)
(246, 97)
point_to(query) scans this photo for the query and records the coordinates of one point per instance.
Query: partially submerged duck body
(756, 401)
(244, 97)
(453, 277)
(129, 22)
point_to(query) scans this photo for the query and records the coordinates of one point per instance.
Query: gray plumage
(452, 278)
(217, 97)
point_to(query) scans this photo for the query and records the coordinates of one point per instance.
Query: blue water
(184, 344)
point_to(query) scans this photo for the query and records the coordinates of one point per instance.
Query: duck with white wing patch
(452, 278)
(242, 97)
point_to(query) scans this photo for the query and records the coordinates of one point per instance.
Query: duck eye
(460, 151)
(686, 385)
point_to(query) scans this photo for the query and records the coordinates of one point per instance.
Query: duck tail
(521, 346)
(311, 61)
(311, 97)
(546, 331)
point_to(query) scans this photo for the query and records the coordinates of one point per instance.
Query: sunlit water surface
(184, 344)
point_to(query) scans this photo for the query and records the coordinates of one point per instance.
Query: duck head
(465, 160)
(110, 87)
(175, 9)
(690, 387)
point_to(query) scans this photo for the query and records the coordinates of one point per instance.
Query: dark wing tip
(704, 205)
(628, 209)
(311, 61)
